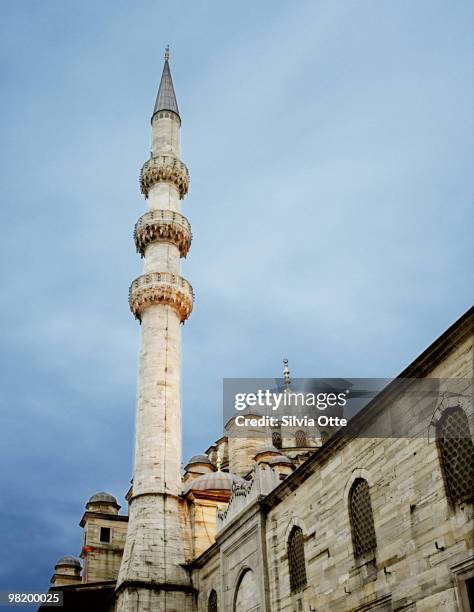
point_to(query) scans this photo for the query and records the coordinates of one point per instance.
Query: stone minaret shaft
(151, 576)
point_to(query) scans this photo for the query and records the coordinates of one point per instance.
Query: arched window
(212, 604)
(457, 454)
(276, 439)
(300, 438)
(324, 436)
(296, 560)
(362, 519)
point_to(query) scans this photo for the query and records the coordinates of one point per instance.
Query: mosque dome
(214, 481)
(267, 450)
(199, 459)
(248, 411)
(69, 561)
(103, 502)
(102, 498)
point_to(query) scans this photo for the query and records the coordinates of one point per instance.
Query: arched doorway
(247, 595)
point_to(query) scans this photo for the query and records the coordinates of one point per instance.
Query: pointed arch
(456, 454)
(296, 559)
(212, 602)
(361, 516)
(246, 593)
(300, 438)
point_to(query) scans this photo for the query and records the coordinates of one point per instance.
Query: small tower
(151, 575)
(104, 538)
(197, 466)
(66, 571)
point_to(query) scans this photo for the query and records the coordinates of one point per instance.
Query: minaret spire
(152, 576)
(166, 97)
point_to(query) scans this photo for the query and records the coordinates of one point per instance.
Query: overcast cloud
(330, 152)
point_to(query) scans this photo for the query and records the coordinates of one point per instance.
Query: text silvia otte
(290, 421)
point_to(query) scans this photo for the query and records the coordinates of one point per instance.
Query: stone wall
(102, 561)
(420, 537)
(425, 544)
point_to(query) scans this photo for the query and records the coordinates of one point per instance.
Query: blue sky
(330, 152)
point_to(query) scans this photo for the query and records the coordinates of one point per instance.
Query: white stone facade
(425, 544)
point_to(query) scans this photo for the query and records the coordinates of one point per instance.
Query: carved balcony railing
(165, 225)
(161, 288)
(164, 168)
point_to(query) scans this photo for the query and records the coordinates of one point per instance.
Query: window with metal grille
(276, 439)
(212, 604)
(457, 454)
(362, 519)
(300, 438)
(296, 560)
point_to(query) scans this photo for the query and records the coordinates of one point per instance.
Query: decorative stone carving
(241, 488)
(161, 288)
(162, 225)
(164, 168)
(244, 493)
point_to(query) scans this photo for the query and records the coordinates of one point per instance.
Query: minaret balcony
(161, 288)
(164, 168)
(163, 225)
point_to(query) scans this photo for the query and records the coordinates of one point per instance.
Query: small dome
(215, 481)
(199, 459)
(102, 498)
(70, 561)
(280, 459)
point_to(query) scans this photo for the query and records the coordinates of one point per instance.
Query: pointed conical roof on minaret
(166, 98)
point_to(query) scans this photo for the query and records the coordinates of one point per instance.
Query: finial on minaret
(286, 375)
(166, 98)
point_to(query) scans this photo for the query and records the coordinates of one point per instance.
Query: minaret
(151, 576)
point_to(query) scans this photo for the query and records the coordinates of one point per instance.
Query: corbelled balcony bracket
(164, 168)
(163, 225)
(161, 288)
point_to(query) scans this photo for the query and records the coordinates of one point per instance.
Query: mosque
(289, 523)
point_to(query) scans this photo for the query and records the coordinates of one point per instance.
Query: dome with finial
(283, 386)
